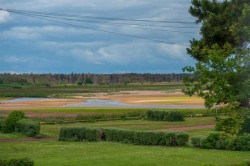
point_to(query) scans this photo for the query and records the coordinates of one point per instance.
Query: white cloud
(173, 51)
(4, 16)
(135, 53)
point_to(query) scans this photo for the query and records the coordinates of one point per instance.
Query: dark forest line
(82, 78)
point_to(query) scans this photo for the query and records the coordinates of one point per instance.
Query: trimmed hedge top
(171, 116)
(124, 136)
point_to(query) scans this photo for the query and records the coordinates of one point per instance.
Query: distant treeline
(74, 78)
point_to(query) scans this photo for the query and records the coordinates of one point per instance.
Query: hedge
(1, 124)
(10, 123)
(223, 141)
(197, 141)
(150, 138)
(119, 135)
(80, 134)
(171, 116)
(28, 127)
(17, 162)
(124, 136)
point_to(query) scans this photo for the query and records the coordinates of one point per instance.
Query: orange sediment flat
(127, 97)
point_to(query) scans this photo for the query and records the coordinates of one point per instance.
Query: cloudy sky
(32, 45)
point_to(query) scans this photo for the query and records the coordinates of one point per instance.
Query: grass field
(67, 90)
(53, 130)
(107, 153)
(63, 112)
(57, 153)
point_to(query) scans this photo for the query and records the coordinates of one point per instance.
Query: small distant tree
(79, 83)
(11, 121)
(88, 81)
(1, 81)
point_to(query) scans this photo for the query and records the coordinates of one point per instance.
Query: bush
(242, 143)
(93, 134)
(119, 135)
(11, 121)
(197, 141)
(149, 138)
(28, 127)
(210, 141)
(223, 141)
(17, 162)
(72, 134)
(245, 114)
(238, 122)
(1, 124)
(231, 125)
(182, 139)
(124, 136)
(80, 134)
(161, 138)
(175, 116)
(170, 116)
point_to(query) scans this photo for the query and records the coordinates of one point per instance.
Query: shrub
(124, 136)
(93, 134)
(149, 138)
(10, 123)
(175, 116)
(170, 138)
(170, 116)
(197, 141)
(242, 143)
(28, 127)
(161, 138)
(231, 125)
(245, 114)
(182, 139)
(223, 141)
(72, 134)
(237, 122)
(17, 162)
(210, 141)
(80, 134)
(1, 124)
(119, 135)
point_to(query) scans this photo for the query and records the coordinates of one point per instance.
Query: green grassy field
(53, 130)
(65, 91)
(107, 110)
(60, 112)
(57, 153)
(106, 153)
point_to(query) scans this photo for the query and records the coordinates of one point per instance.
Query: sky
(32, 45)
